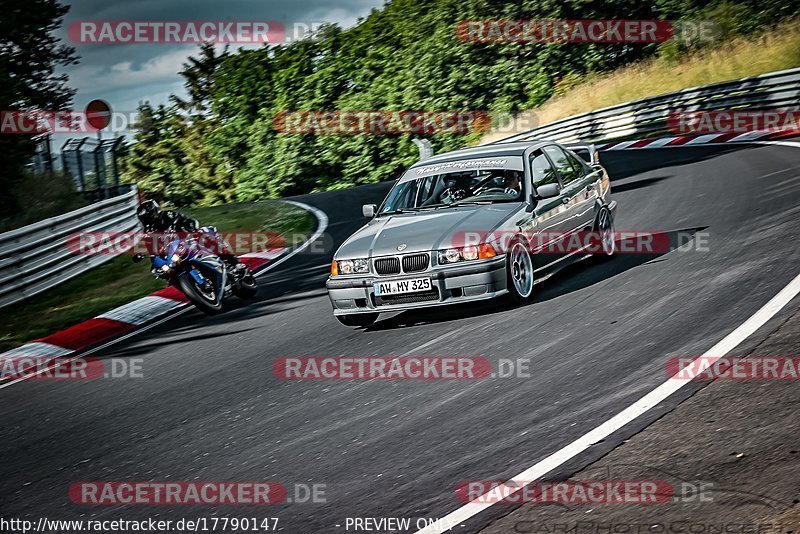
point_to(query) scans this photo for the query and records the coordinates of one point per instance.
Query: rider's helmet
(147, 212)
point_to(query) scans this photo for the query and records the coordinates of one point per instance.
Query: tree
(29, 55)
(405, 56)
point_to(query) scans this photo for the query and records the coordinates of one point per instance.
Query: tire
(604, 226)
(246, 288)
(358, 319)
(519, 272)
(191, 291)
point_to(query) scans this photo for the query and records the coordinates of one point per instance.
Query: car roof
(490, 150)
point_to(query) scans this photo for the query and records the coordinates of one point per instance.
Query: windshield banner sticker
(514, 163)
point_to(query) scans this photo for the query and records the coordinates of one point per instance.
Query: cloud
(125, 74)
(128, 74)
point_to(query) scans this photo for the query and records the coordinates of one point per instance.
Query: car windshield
(453, 188)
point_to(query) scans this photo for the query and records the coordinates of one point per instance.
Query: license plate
(398, 287)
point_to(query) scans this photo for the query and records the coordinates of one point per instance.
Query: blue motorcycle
(200, 274)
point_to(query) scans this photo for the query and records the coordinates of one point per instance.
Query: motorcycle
(199, 273)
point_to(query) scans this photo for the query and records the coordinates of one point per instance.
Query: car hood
(424, 231)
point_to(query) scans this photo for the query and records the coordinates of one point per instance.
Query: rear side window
(582, 152)
(568, 171)
(578, 162)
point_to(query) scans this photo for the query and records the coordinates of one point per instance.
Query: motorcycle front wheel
(205, 301)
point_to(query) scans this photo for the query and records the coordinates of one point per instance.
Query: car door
(576, 187)
(590, 186)
(550, 223)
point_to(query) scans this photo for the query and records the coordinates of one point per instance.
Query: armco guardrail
(648, 117)
(36, 258)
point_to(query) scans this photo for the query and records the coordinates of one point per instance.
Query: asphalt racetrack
(598, 337)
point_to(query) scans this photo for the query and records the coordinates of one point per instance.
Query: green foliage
(221, 143)
(29, 55)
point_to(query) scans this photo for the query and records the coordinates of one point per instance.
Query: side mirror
(137, 258)
(369, 210)
(597, 167)
(547, 191)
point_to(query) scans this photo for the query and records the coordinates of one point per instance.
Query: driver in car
(512, 183)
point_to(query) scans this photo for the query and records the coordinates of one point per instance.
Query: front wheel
(358, 320)
(519, 268)
(203, 298)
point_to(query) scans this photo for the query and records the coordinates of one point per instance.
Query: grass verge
(120, 280)
(778, 49)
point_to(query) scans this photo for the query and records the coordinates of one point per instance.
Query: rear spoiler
(587, 152)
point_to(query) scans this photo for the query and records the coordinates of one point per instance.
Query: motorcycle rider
(154, 219)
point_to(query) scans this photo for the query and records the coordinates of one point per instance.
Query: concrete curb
(691, 140)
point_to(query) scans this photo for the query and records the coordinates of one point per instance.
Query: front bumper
(452, 284)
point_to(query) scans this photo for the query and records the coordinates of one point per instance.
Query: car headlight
(346, 267)
(451, 255)
(357, 266)
(468, 253)
(360, 266)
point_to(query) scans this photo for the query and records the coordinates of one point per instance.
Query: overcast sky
(125, 74)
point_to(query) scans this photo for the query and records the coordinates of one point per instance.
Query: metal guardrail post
(425, 148)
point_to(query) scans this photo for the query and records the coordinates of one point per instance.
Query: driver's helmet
(148, 212)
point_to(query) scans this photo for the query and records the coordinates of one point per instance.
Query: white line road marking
(656, 396)
(322, 225)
